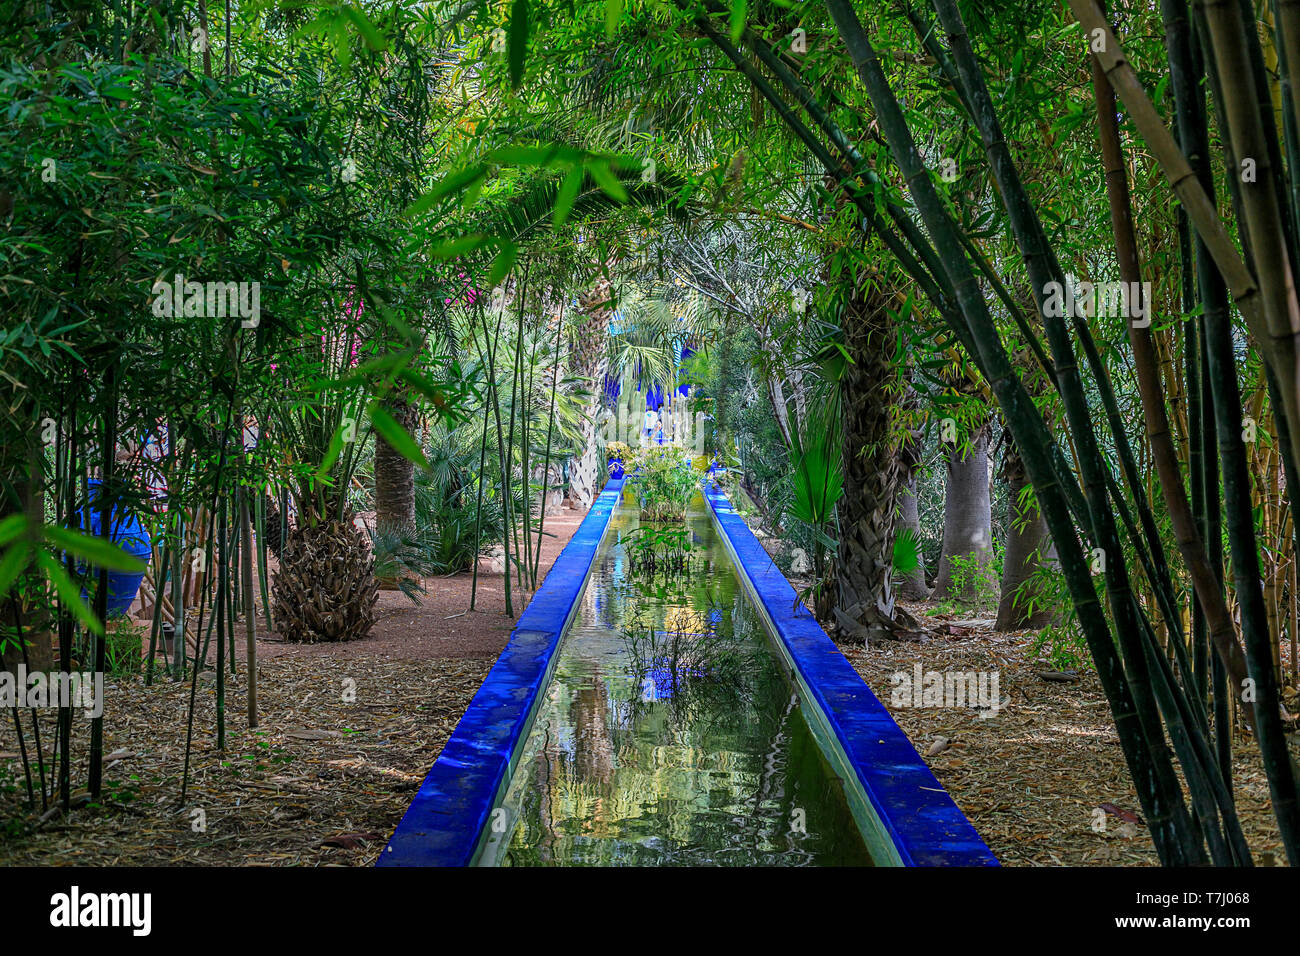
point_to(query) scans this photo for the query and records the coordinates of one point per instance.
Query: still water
(668, 734)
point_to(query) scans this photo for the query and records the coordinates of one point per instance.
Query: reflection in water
(668, 734)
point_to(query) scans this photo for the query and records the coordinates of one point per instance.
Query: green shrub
(1060, 642)
(969, 576)
(123, 646)
(663, 481)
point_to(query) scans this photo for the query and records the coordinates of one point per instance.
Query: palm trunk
(395, 475)
(591, 362)
(873, 474)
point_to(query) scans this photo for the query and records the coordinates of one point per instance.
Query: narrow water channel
(669, 734)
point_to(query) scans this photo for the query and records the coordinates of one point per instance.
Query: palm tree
(874, 473)
(590, 362)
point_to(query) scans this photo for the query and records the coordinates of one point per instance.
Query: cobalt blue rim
(444, 823)
(916, 814)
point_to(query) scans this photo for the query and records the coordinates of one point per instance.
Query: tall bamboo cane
(1148, 757)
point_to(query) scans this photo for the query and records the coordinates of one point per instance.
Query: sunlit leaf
(388, 428)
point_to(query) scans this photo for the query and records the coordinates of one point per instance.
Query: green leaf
(369, 32)
(906, 552)
(517, 41)
(606, 180)
(11, 528)
(532, 155)
(387, 427)
(458, 247)
(68, 592)
(12, 564)
(332, 453)
(472, 193)
(502, 264)
(98, 551)
(435, 393)
(739, 8)
(818, 484)
(565, 198)
(453, 183)
(613, 13)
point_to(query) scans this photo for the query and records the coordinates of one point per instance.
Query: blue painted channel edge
(443, 823)
(916, 812)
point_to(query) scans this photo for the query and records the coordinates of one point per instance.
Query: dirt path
(345, 736)
(441, 626)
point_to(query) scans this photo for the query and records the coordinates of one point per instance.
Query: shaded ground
(346, 734)
(1031, 778)
(1044, 781)
(319, 766)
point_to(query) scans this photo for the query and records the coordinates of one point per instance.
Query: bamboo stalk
(250, 611)
(550, 428)
(1271, 314)
(1152, 391)
(107, 498)
(1147, 756)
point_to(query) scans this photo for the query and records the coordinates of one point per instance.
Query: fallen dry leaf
(939, 746)
(350, 841)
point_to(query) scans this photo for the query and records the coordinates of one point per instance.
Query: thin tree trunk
(250, 609)
(912, 587)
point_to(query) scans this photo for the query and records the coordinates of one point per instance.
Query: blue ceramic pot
(128, 534)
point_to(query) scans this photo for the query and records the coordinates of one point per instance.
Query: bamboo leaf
(453, 183)
(739, 8)
(613, 13)
(11, 528)
(564, 199)
(518, 41)
(68, 592)
(333, 452)
(502, 264)
(12, 565)
(98, 551)
(398, 437)
(369, 32)
(606, 179)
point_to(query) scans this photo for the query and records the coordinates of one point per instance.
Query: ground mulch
(347, 732)
(340, 748)
(345, 735)
(1032, 778)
